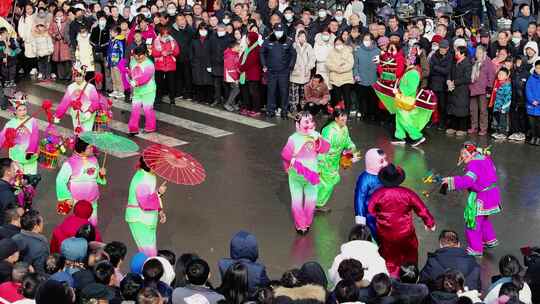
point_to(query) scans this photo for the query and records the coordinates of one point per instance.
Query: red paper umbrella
(174, 165)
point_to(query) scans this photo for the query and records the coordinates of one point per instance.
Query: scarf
(496, 85)
(476, 68)
(244, 58)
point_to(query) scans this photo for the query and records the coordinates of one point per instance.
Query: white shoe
(513, 136)
(278, 112)
(120, 95)
(495, 135)
(40, 76)
(53, 76)
(33, 71)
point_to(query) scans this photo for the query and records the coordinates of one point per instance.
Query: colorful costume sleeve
(408, 84)
(145, 74)
(64, 105)
(62, 180)
(33, 145)
(462, 182)
(147, 197)
(360, 198)
(94, 97)
(421, 210)
(323, 146)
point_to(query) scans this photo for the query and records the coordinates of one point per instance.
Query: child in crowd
(115, 53)
(501, 98)
(532, 91)
(518, 111)
(43, 48)
(84, 52)
(231, 66)
(9, 49)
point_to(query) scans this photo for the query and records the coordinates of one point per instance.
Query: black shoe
(284, 115)
(270, 115)
(130, 134)
(215, 103)
(418, 142)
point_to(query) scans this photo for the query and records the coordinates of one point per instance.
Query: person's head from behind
(291, 278)
(30, 284)
(180, 268)
(139, 53)
(509, 266)
(449, 238)
(381, 285)
(83, 148)
(54, 263)
(54, 292)
(360, 233)
(234, 286)
(8, 169)
(117, 253)
(409, 273)
(510, 290)
(346, 291)
(351, 270)
(115, 31)
(20, 269)
(104, 273)
(149, 295)
(87, 232)
(13, 216)
(130, 286)
(452, 281)
(152, 272)
(198, 272)
(32, 221)
(168, 255)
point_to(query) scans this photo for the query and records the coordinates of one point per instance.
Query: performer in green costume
(337, 134)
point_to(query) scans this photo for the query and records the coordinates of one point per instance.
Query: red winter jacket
(68, 228)
(5, 7)
(252, 66)
(231, 65)
(165, 53)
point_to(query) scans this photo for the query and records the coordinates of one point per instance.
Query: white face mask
(516, 40)
(147, 14)
(171, 11)
(434, 47)
(226, 21)
(278, 34)
(325, 38)
(339, 46)
(339, 18)
(322, 14)
(412, 41)
(289, 17)
(58, 19)
(203, 33)
(221, 34)
(102, 23)
(367, 43)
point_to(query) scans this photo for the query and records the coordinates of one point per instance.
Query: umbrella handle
(104, 160)
(164, 183)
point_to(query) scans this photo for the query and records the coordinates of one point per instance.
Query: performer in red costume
(392, 206)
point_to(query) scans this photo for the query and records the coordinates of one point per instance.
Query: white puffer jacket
(305, 62)
(322, 49)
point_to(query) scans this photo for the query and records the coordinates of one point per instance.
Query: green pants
(405, 125)
(329, 179)
(145, 237)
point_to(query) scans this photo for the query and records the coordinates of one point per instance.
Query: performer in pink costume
(82, 100)
(300, 160)
(79, 177)
(144, 91)
(484, 199)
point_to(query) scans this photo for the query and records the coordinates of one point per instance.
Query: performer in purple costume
(480, 180)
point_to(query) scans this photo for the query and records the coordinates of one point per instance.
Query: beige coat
(305, 62)
(340, 65)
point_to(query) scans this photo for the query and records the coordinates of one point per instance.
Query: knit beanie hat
(74, 249)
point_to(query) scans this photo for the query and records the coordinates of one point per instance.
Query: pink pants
(149, 114)
(484, 234)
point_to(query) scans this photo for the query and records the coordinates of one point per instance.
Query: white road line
(122, 127)
(65, 133)
(224, 114)
(170, 119)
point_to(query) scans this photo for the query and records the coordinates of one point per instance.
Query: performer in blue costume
(366, 184)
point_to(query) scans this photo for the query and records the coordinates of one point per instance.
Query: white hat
(79, 6)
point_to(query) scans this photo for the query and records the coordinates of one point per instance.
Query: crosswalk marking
(122, 127)
(170, 119)
(224, 114)
(65, 133)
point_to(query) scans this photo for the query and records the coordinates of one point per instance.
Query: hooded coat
(366, 253)
(534, 46)
(322, 49)
(69, 226)
(305, 62)
(200, 61)
(532, 91)
(244, 249)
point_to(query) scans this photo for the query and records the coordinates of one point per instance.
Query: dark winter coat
(279, 56)
(74, 29)
(200, 61)
(34, 249)
(252, 66)
(532, 276)
(244, 249)
(217, 48)
(8, 231)
(184, 38)
(521, 23)
(320, 25)
(99, 39)
(458, 101)
(519, 80)
(492, 51)
(455, 258)
(439, 71)
(440, 297)
(7, 198)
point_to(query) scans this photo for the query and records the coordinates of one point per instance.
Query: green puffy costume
(339, 140)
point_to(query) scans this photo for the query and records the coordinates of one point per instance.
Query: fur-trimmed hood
(307, 292)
